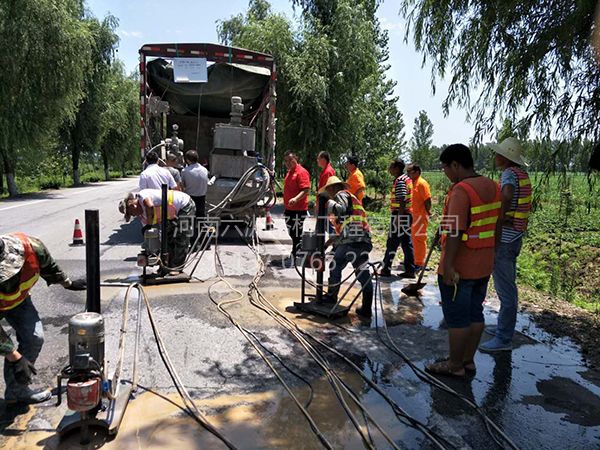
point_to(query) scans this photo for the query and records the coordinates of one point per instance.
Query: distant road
(50, 215)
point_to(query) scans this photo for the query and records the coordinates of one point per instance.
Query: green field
(561, 253)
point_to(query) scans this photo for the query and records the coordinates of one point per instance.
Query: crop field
(561, 252)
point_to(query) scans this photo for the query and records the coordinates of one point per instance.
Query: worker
(421, 211)
(146, 204)
(356, 179)
(469, 227)
(23, 259)
(400, 222)
(195, 184)
(295, 198)
(515, 186)
(323, 161)
(352, 242)
(154, 176)
(172, 162)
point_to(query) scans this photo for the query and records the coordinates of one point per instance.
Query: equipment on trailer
(312, 256)
(240, 153)
(155, 252)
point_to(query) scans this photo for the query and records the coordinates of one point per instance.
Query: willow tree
(527, 60)
(85, 131)
(332, 90)
(45, 52)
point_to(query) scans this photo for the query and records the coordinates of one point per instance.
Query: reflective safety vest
(28, 276)
(394, 203)
(520, 214)
(482, 227)
(356, 215)
(171, 210)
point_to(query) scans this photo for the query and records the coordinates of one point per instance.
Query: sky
(153, 21)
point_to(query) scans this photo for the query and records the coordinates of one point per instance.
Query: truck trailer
(221, 102)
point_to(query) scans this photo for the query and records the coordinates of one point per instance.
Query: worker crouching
(23, 260)
(146, 204)
(352, 242)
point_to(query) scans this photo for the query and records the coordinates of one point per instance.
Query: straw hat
(333, 180)
(12, 257)
(511, 149)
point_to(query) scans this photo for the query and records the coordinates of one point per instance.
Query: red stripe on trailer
(242, 56)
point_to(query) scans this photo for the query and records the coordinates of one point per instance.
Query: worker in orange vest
(400, 222)
(356, 179)
(352, 242)
(23, 260)
(421, 208)
(469, 228)
(516, 206)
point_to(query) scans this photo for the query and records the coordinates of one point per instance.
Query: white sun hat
(511, 149)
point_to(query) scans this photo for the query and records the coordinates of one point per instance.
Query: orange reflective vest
(484, 216)
(171, 210)
(520, 214)
(28, 276)
(356, 215)
(394, 203)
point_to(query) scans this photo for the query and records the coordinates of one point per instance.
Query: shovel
(414, 288)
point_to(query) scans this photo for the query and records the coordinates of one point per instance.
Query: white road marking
(57, 198)
(24, 204)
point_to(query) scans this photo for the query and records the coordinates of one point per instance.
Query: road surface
(542, 394)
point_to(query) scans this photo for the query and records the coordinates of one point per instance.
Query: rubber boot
(331, 297)
(367, 304)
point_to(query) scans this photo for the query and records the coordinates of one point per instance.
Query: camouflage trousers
(179, 231)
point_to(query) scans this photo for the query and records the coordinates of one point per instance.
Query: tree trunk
(106, 168)
(10, 176)
(75, 158)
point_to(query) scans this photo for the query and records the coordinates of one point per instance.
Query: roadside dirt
(561, 318)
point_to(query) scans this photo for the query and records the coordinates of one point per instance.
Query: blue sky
(154, 21)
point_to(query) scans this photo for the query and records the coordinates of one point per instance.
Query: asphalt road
(542, 394)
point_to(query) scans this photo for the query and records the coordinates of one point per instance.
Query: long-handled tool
(414, 288)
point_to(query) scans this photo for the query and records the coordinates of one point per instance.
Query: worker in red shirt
(295, 198)
(326, 169)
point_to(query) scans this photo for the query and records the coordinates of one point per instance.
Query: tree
(421, 150)
(119, 122)
(332, 90)
(45, 48)
(85, 131)
(526, 60)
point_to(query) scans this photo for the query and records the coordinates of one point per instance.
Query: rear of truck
(228, 118)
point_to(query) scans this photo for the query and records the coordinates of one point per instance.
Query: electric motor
(151, 241)
(86, 341)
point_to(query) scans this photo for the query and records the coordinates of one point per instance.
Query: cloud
(393, 27)
(134, 34)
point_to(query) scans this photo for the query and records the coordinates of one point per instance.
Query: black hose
(490, 425)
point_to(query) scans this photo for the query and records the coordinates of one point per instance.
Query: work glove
(77, 285)
(23, 370)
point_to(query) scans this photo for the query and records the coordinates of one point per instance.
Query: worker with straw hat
(516, 206)
(352, 242)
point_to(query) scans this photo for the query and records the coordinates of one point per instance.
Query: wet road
(541, 394)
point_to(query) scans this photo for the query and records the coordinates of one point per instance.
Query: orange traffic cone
(77, 234)
(269, 220)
